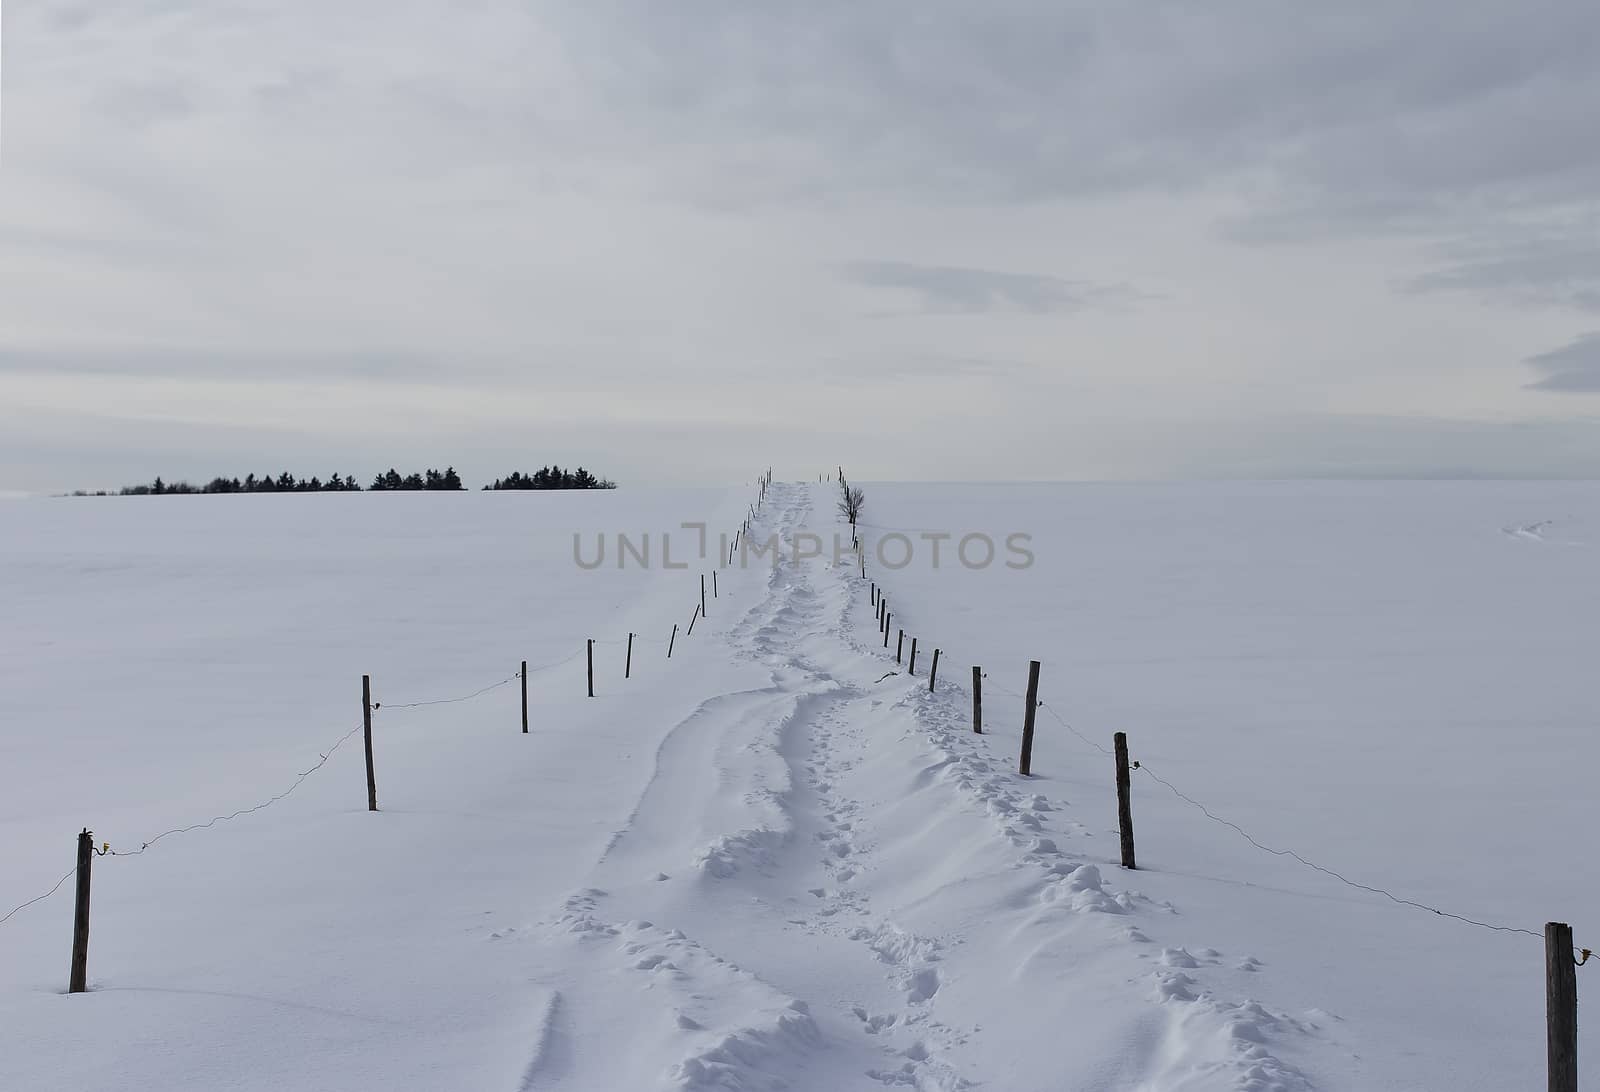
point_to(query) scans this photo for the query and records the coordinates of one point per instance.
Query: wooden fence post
(627, 663)
(911, 668)
(80, 916)
(366, 732)
(933, 671)
(672, 640)
(874, 593)
(1561, 1008)
(1124, 798)
(887, 618)
(692, 617)
(1025, 767)
(702, 593)
(713, 583)
(524, 697)
(591, 666)
(899, 646)
(977, 700)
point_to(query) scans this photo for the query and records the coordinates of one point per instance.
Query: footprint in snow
(1178, 957)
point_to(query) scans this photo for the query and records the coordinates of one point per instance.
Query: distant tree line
(266, 483)
(551, 477)
(429, 479)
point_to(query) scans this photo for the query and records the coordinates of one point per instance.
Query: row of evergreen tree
(266, 483)
(551, 477)
(429, 479)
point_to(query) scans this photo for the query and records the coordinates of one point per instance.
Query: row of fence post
(1561, 989)
(1560, 976)
(78, 975)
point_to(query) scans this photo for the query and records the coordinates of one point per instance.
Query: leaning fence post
(80, 916)
(911, 668)
(1124, 798)
(933, 671)
(524, 697)
(672, 640)
(692, 617)
(899, 646)
(1025, 767)
(977, 700)
(1561, 1007)
(591, 666)
(366, 733)
(627, 663)
(887, 618)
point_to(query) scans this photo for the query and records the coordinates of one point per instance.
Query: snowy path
(829, 883)
(773, 860)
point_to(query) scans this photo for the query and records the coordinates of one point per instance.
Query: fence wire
(213, 821)
(267, 803)
(40, 898)
(1580, 955)
(1247, 836)
(325, 756)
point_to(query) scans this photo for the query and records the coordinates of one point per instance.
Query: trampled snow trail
(829, 883)
(776, 859)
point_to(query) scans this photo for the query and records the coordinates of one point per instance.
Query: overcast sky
(675, 241)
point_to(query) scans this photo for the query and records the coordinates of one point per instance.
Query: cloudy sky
(677, 240)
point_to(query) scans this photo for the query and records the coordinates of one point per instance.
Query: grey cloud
(1321, 217)
(1548, 273)
(595, 194)
(1375, 119)
(228, 365)
(1403, 447)
(144, 102)
(891, 366)
(1340, 109)
(1425, 119)
(1571, 369)
(956, 290)
(232, 365)
(116, 249)
(1043, 99)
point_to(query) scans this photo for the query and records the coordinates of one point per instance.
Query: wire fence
(267, 803)
(632, 639)
(40, 898)
(1581, 955)
(1247, 836)
(323, 758)
(521, 674)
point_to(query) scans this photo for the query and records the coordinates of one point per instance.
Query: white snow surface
(762, 864)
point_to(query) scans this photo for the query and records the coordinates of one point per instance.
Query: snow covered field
(762, 864)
